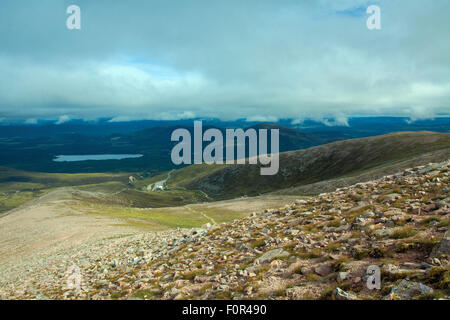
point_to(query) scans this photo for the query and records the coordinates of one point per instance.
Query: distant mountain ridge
(357, 126)
(33, 147)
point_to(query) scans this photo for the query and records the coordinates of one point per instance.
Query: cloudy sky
(254, 59)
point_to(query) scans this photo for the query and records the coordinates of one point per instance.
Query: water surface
(85, 157)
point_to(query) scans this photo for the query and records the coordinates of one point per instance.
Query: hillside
(325, 162)
(292, 139)
(317, 248)
(17, 187)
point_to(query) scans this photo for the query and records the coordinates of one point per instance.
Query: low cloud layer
(260, 60)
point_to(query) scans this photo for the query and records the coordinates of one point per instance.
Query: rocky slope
(315, 248)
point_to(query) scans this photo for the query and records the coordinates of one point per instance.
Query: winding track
(161, 183)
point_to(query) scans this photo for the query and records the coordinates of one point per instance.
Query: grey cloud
(228, 59)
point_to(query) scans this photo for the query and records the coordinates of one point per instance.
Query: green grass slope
(303, 167)
(18, 187)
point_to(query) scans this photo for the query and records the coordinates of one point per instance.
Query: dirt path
(201, 213)
(161, 183)
(212, 220)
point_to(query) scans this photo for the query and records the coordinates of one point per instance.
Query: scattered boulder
(273, 254)
(323, 269)
(384, 232)
(406, 290)
(430, 207)
(441, 249)
(307, 270)
(343, 228)
(340, 294)
(341, 276)
(429, 168)
(392, 197)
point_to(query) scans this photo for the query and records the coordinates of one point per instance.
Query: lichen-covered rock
(340, 294)
(323, 269)
(441, 249)
(407, 290)
(272, 254)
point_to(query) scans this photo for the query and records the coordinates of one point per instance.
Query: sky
(254, 59)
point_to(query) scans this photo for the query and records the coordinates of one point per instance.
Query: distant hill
(303, 167)
(291, 139)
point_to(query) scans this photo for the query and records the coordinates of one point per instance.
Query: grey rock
(368, 214)
(407, 290)
(383, 232)
(343, 228)
(392, 197)
(340, 294)
(273, 254)
(306, 270)
(430, 168)
(390, 224)
(341, 276)
(442, 248)
(323, 269)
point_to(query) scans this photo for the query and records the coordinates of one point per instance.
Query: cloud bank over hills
(258, 60)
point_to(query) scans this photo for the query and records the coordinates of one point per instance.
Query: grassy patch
(404, 232)
(429, 220)
(147, 294)
(258, 243)
(312, 254)
(360, 254)
(339, 265)
(439, 277)
(190, 275)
